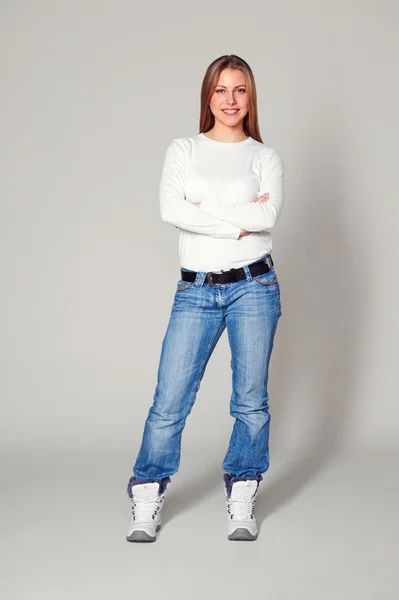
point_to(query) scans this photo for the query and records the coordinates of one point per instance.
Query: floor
(328, 531)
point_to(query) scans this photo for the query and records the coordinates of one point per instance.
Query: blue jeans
(250, 310)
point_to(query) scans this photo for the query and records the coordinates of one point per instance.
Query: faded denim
(250, 310)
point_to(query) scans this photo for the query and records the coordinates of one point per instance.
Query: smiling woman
(223, 188)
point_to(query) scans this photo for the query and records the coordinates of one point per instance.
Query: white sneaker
(147, 501)
(240, 500)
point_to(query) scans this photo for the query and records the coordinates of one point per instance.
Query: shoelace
(242, 509)
(143, 508)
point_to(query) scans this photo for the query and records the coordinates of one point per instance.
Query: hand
(262, 198)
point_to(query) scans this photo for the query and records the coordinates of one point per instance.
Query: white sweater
(225, 177)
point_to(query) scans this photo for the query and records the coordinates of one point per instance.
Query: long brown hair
(229, 61)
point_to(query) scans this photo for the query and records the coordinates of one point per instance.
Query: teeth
(231, 112)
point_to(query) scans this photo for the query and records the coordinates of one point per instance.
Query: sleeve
(175, 209)
(255, 216)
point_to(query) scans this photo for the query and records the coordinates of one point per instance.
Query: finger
(264, 196)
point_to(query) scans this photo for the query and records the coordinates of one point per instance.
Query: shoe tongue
(145, 490)
(243, 490)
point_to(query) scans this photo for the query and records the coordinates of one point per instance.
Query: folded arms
(219, 219)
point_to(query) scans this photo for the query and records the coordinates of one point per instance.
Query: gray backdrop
(92, 93)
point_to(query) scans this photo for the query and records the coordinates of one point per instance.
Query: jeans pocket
(183, 285)
(269, 278)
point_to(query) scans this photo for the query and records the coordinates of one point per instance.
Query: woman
(223, 188)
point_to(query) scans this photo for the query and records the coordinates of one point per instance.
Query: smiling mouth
(230, 112)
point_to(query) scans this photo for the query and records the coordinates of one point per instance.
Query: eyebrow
(236, 86)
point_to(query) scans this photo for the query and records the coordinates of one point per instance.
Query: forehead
(231, 78)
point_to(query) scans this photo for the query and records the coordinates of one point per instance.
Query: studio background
(92, 94)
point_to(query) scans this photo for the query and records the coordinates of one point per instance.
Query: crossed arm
(174, 207)
(255, 216)
(220, 219)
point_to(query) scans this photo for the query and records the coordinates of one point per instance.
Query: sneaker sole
(242, 534)
(142, 536)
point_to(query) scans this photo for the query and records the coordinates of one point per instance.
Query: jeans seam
(179, 289)
(265, 282)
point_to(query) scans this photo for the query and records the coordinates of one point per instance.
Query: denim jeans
(250, 310)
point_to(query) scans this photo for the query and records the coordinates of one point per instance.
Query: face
(230, 92)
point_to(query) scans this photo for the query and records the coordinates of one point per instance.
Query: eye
(238, 90)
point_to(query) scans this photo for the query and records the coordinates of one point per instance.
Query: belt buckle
(209, 279)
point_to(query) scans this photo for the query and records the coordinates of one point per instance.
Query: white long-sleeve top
(225, 177)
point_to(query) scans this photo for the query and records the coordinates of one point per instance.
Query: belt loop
(247, 272)
(200, 278)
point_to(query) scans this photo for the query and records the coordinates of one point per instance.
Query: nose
(230, 99)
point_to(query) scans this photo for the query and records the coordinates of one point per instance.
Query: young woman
(223, 188)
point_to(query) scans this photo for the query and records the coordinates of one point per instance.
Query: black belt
(257, 268)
